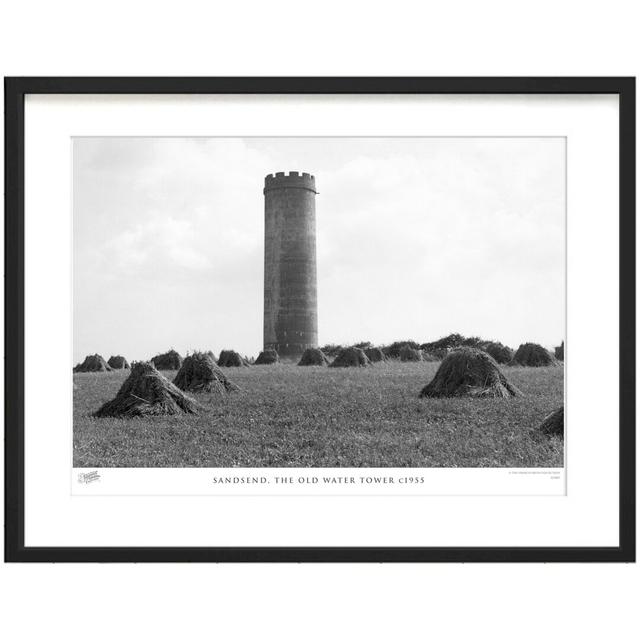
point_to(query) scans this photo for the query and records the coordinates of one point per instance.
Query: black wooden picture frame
(15, 91)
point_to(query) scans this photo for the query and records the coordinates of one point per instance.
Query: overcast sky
(416, 237)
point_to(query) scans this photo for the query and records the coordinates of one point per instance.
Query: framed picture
(320, 319)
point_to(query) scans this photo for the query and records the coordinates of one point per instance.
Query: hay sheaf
(170, 361)
(146, 392)
(94, 363)
(408, 354)
(559, 352)
(331, 350)
(498, 351)
(313, 357)
(533, 355)
(553, 424)
(199, 373)
(446, 344)
(351, 357)
(437, 353)
(268, 356)
(393, 350)
(375, 354)
(467, 371)
(229, 358)
(118, 362)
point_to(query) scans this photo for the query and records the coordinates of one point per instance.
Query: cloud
(168, 242)
(416, 237)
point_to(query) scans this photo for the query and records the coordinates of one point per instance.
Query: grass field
(289, 416)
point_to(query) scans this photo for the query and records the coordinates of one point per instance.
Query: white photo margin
(586, 516)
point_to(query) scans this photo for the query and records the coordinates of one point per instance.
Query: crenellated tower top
(292, 180)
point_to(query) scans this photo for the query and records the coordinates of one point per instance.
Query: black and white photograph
(319, 302)
(372, 320)
(320, 320)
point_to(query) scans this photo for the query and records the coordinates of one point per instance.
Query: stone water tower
(290, 289)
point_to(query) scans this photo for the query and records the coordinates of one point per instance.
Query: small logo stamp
(88, 477)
